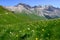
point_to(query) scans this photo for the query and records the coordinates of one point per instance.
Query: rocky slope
(47, 11)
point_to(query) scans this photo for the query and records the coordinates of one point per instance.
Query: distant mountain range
(47, 11)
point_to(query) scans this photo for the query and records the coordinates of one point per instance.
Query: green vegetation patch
(23, 27)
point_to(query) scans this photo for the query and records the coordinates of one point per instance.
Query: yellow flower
(36, 38)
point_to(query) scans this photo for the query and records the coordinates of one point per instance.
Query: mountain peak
(20, 4)
(23, 4)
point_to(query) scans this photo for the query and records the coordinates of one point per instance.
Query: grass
(24, 27)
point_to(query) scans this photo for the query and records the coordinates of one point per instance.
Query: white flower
(32, 30)
(10, 32)
(28, 28)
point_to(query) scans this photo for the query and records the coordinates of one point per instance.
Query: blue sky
(55, 3)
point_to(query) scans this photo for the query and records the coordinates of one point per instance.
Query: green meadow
(21, 26)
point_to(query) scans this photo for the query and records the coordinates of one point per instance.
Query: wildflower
(43, 30)
(10, 32)
(16, 35)
(20, 31)
(6, 13)
(32, 30)
(36, 38)
(28, 28)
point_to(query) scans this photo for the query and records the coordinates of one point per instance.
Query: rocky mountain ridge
(47, 11)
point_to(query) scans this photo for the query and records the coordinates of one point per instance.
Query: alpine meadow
(23, 22)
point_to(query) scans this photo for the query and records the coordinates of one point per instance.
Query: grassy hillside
(27, 27)
(7, 16)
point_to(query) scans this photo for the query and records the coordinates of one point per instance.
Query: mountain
(19, 8)
(47, 11)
